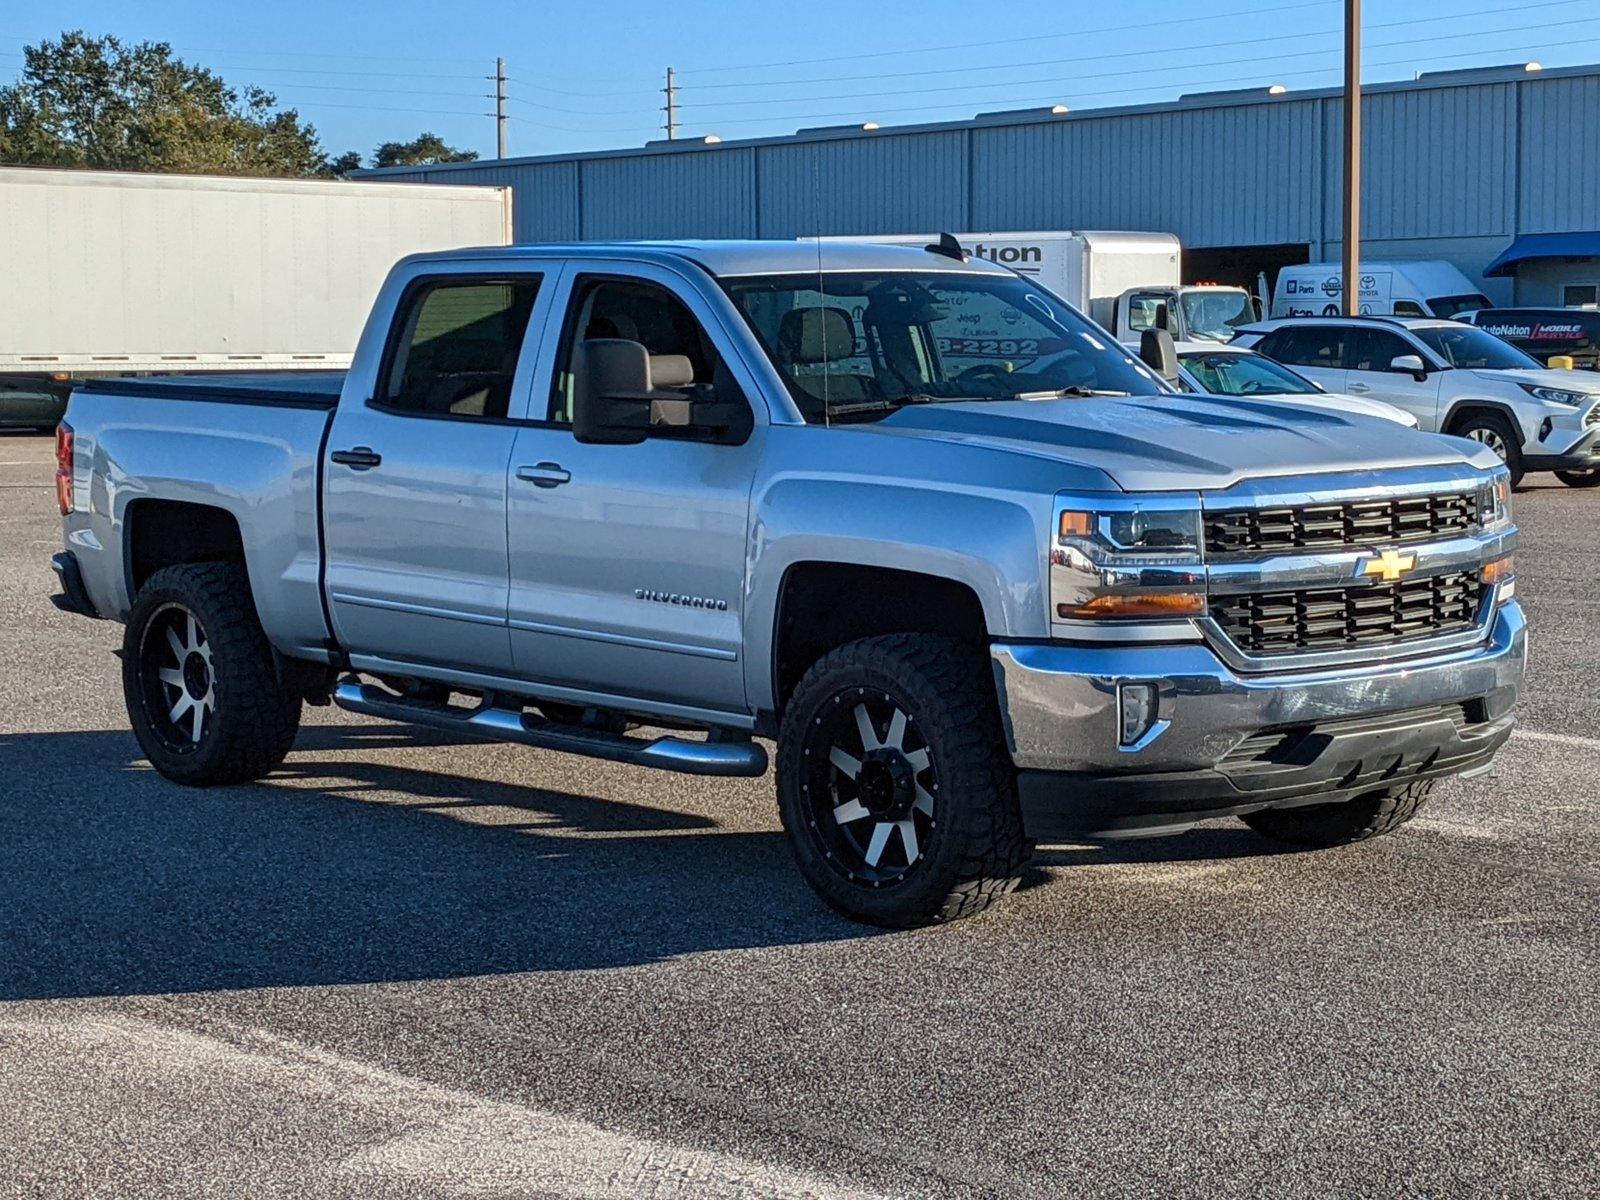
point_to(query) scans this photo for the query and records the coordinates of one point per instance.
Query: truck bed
(248, 444)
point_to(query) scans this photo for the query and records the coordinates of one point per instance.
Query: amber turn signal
(1076, 524)
(1150, 604)
(1498, 571)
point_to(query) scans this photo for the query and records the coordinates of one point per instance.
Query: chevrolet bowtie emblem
(1389, 565)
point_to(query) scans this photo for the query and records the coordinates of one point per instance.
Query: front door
(414, 502)
(1369, 355)
(628, 562)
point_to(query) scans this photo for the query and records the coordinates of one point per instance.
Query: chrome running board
(742, 757)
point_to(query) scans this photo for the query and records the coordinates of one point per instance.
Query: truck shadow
(340, 869)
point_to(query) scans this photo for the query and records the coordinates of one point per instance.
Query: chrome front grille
(1350, 617)
(1233, 533)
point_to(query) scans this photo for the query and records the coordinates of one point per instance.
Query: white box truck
(1127, 282)
(1398, 289)
(113, 273)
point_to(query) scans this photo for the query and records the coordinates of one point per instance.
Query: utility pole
(672, 105)
(1352, 158)
(499, 108)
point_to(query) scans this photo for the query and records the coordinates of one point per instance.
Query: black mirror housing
(612, 394)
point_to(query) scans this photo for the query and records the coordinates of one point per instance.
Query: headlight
(1555, 395)
(1494, 501)
(1124, 557)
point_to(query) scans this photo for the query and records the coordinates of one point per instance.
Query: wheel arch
(159, 533)
(823, 604)
(1460, 410)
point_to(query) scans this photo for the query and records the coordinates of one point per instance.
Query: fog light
(1136, 706)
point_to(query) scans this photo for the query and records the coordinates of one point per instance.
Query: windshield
(1216, 316)
(859, 344)
(1450, 306)
(1224, 374)
(1469, 347)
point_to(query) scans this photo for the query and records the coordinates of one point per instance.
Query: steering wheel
(983, 371)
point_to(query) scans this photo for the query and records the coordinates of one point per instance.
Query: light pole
(1352, 158)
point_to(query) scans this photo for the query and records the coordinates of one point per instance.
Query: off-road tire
(975, 850)
(1323, 825)
(1492, 422)
(255, 716)
(1580, 479)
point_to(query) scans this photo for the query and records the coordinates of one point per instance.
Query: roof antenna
(948, 246)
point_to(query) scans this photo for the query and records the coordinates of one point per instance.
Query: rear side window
(456, 345)
(1307, 346)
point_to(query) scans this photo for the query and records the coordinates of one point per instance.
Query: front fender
(989, 541)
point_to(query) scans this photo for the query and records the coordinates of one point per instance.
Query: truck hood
(1566, 381)
(1172, 442)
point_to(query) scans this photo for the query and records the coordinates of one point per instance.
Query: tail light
(64, 449)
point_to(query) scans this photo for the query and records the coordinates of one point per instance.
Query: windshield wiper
(892, 404)
(1076, 391)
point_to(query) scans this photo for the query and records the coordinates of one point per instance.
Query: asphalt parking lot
(413, 967)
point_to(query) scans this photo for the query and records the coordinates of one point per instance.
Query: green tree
(101, 102)
(424, 149)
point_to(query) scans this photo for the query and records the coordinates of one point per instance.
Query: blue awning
(1532, 246)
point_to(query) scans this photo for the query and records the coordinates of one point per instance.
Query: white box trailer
(1126, 281)
(109, 272)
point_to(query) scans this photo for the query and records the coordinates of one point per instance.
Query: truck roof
(728, 258)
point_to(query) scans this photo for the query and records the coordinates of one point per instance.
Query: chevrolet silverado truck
(982, 576)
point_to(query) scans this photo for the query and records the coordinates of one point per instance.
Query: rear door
(1369, 354)
(1315, 351)
(414, 499)
(628, 562)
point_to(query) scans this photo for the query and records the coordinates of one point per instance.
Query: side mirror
(1411, 364)
(611, 391)
(1157, 352)
(1163, 317)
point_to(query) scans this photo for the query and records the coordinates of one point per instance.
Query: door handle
(545, 474)
(1359, 387)
(361, 458)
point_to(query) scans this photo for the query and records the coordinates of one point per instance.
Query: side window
(1580, 295)
(1307, 346)
(686, 373)
(1374, 350)
(1408, 308)
(1144, 311)
(455, 350)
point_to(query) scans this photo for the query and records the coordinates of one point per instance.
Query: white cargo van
(1128, 282)
(1400, 289)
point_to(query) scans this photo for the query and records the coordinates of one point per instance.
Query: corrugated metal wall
(1445, 160)
(1560, 161)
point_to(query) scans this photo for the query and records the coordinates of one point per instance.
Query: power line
(1141, 53)
(1120, 73)
(1045, 37)
(1058, 97)
(582, 112)
(570, 129)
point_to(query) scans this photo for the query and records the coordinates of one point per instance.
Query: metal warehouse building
(1469, 166)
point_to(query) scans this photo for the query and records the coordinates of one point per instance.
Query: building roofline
(1232, 98)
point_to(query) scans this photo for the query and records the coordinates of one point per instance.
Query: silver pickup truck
(983, 576)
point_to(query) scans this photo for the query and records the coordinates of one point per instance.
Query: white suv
(1455, 379)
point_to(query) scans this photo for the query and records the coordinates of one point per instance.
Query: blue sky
(587, 76)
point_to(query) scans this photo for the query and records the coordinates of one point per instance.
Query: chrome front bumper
(1059, 702)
